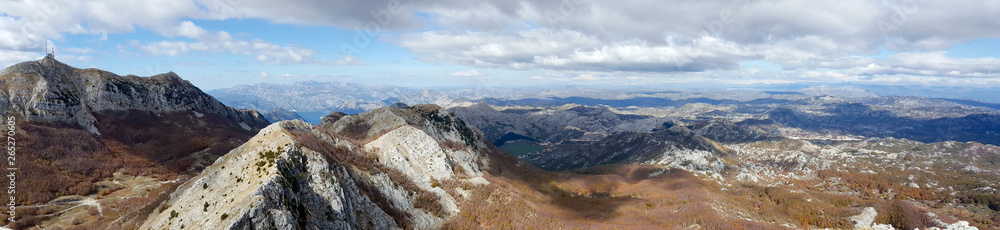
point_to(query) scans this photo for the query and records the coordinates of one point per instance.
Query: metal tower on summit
(49, 53)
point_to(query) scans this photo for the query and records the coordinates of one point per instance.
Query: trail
(85, 202)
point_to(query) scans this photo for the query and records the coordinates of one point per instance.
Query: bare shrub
(902, 214)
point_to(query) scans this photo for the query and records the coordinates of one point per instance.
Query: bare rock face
(50, 91)
(294, 175)
(271, 182)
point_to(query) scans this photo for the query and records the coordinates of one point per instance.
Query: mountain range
(103, 151)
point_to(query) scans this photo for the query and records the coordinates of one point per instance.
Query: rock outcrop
(378, 170)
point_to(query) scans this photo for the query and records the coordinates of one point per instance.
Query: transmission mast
(49, 54)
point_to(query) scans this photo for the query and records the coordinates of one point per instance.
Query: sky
(509, 43)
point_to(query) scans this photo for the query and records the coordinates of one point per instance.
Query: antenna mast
(47, 53)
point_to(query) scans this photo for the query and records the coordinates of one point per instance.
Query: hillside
(422, 167)
(418, 167)
(86, 135)
(405, 169)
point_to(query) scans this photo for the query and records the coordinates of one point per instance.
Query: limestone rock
(294, 175)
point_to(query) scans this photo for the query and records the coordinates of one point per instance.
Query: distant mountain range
(317, 99)
(321, 98)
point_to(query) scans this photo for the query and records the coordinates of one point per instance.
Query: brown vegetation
(614, 196)
(902, 215)
(59, 160)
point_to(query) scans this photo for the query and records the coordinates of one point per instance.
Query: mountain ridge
(91, 132)
(51, 91)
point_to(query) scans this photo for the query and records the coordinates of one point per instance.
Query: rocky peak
(50, 91)
(399, 105)
(377, 170)
(47, 66)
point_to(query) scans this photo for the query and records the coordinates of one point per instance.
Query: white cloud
(264, 52)
(571, 50)
(931, 64)
(470, 73)
(190, 30)
(345, 61)
(702, 39)
(222, 42)
(586, 77)
(8, 58)
(26, 22)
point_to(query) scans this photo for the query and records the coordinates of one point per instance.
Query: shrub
(902, 214)
(358, 130)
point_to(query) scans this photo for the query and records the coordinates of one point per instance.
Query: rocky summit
(378, 170)
(49, 91)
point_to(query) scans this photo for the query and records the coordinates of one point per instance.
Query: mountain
(279, 114)
(693, 147)
(681, 146)
(862, 120)
(102, 151)
(419, 167)
(50, 91)
(326, 97)
(82, 134)
(379, 170)
(422, 167)
(552, 124)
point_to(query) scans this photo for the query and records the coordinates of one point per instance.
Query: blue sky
(217, 44)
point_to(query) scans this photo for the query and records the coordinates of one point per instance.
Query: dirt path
(89, 201)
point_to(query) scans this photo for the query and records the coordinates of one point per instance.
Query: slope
(79, 128)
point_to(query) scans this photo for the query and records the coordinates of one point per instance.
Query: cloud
(27, 22)
(8, 58)
(570, 50)
(609, 38)
(190, 30)
(345, 61)
(935, 63)
(388, 15)
(222, 42)
(264, 52)
(644, 36)
(470, 73)
(586, 77)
